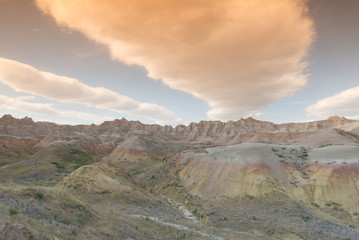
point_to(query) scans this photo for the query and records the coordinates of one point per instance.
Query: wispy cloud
(43, 109)
(24, 78)
(238, 55)
(344, 104)
(19, 104)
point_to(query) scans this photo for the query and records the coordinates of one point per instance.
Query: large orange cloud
(238, 55)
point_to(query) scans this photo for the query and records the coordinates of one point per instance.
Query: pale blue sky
(31, 38)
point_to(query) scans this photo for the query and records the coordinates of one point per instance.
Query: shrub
(250, 197)
(40, 195)
(328, 204)
(316, 205)
(13, 211)
(305, 218)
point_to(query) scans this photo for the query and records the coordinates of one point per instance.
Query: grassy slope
(52, 162)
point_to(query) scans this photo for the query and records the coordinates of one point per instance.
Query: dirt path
(177, 226)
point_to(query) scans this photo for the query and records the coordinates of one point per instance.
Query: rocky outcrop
(326, 176)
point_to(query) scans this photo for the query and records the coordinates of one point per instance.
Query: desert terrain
(244, 179)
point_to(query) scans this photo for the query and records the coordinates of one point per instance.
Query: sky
(180, 61)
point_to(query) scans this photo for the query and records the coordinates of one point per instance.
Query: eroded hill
(210, 180)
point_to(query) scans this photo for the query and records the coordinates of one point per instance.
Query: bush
(316, 205)
(250, 197)
(13, 211)
(305, 218)
(40, 195)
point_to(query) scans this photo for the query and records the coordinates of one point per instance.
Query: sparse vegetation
(78, 158)
(13, 211)
(326, 145)
(336, 204)
(137, 171)
(250, 197)
(112, 197)
(39, 195)
(316, 205)
(105, 233)
(305, 218)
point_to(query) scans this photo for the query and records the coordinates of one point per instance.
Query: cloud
(24, 78)
(19, 104)
(43, 109)
(238, 55)
(343, 104)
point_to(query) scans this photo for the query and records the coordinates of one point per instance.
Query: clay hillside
(244, 179)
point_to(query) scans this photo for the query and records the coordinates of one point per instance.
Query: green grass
(138, 171)
(13, 211)
(305, 218)
(23, 171)
(76, 157)
(39, 195)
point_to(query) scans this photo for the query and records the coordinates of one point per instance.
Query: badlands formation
(245, 179)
